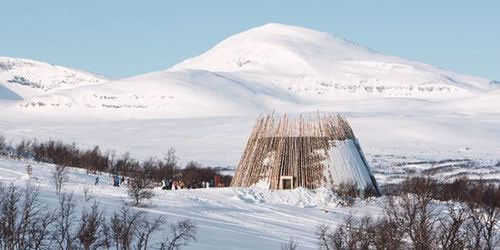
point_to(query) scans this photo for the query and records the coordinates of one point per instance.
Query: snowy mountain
(318, 65)
(272, 67)
(23, 79)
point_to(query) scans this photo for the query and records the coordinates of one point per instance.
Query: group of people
(117, 180)
(168, 184)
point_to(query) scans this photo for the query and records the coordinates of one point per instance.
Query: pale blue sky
(124, 38)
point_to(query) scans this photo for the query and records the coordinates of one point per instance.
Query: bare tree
(140, 189)
(3, 145)
(24, 149)
(451, 225)
(91, 232)
(64, 234)
(123, 227)
(59, 177)
(145, 228)
(181, 234)
(292, 244)
(9, 213)
(491, 216)
(40, 231)
(171, 157)
(416, 217)
(324, 237)
(24, 222)
(385, 234)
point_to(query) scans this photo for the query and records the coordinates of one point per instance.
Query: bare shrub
(324, 237)
(181, 234)
(414, 219)
(123, 227)
(415, 216)
(24, 222)
(194, 174)
(364, 233)
(292, 244)
(3, 145)
(348, 192)
(64, 234)
(59, 177)
(450, 231)
(140, 189)
(144, 229)
(91, 230)
(386, 235)
(482, 231)
(9, 211)
(24, 149)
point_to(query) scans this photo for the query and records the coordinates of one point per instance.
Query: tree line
(94, 160)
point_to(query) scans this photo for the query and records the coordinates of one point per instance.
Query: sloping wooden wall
(285, 146)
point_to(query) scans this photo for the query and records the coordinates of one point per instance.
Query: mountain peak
(272, 47)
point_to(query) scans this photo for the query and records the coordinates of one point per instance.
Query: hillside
(226, 218)
(23, 78)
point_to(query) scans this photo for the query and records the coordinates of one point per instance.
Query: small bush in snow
(59, 177)
(181, 234)
(140, 189)
(3, 145)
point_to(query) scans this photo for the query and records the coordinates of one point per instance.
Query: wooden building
(305, 151)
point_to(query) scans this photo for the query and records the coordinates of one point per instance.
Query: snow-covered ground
(219, 141)
(227, 218)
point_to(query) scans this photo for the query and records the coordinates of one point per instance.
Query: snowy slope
(191, 93)
(227, 218)
(27, 78)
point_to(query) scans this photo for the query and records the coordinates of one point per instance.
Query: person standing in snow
(116, 181)
(96, 180)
